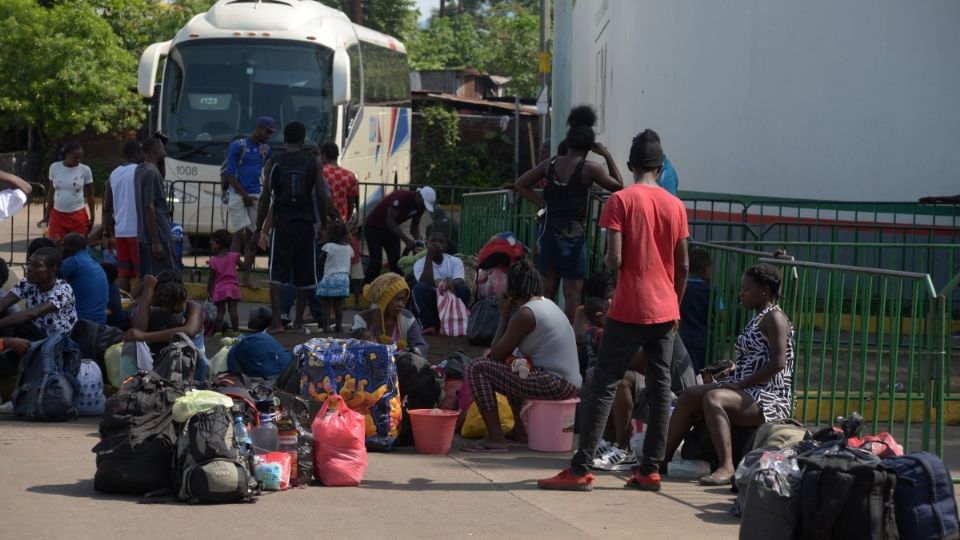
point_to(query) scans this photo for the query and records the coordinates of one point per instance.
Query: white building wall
(850, 100)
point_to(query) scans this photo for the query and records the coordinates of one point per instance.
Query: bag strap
(832, 505)
(158, 496)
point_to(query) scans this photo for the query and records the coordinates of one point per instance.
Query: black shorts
(293, 248)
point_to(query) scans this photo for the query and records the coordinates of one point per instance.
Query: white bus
(288, 59)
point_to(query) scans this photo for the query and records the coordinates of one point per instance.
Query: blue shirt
(89, 284)
(694, 310)
(668, 178)
(249, 168)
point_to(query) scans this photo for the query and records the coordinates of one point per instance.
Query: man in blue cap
(242, 175)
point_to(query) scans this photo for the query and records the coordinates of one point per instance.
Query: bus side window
(356, 90)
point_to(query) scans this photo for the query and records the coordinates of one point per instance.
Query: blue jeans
(425, 298)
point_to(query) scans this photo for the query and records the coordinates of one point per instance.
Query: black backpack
(483, 321)
(420, 388)
(137, 436)
(94, 339)
(846, 494)
(47, 387)
(210, 467)
(289, 180)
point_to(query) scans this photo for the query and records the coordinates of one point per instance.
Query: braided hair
(766, 274)
(523, 281)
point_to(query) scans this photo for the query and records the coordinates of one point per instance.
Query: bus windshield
(214, 90)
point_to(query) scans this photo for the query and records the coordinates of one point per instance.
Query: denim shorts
(568, 255)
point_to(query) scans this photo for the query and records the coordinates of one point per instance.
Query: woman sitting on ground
(542, 333)
(389, 322)
(757, 391)
(50, 302)
(168, 312)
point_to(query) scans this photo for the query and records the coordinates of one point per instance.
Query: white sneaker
(616, 460)
(6, 408)
(602, 448)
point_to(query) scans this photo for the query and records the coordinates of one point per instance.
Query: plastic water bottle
(687, 469)
(240, 435)
(266, 437)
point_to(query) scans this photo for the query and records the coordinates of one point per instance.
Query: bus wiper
(198, 149)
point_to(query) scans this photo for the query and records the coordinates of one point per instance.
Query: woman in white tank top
(542, 333)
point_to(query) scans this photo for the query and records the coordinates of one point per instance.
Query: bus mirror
(341, 77)
(147, 73)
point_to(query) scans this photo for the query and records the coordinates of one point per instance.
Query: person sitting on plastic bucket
(542, 333)
(390, 322)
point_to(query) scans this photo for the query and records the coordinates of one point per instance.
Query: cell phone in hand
(717, 368)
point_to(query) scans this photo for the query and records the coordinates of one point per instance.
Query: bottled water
(240, 435)
(266, 437)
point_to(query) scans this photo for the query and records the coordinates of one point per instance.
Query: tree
(392, 17)
(140, 23)
(500, 38)
(66, 71)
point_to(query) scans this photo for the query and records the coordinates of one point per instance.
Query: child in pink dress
(223, 287)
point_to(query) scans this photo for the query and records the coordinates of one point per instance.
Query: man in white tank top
(120, 214)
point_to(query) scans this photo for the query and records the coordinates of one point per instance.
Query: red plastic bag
(453, 313)
(339, 446)
(883, 445)
(273, 470)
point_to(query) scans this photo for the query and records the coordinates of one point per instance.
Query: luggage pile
(165, 436)
(836, 484)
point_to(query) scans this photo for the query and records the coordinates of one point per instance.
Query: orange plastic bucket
(433, 430)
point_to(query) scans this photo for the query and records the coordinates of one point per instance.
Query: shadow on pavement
(427, 484)
(81, 488)
(715, 512)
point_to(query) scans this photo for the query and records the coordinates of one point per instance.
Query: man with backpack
(240, 181)
(295, 198)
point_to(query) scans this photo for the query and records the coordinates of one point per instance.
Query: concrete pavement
(46, 483)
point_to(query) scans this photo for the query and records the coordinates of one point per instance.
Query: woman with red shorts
(71, 183)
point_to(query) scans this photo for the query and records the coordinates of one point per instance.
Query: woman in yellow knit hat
(389, 321)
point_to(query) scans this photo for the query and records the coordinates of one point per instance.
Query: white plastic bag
(90, 379)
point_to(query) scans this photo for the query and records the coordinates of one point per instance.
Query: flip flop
(275, 331)
(710, 480)
(481, 447)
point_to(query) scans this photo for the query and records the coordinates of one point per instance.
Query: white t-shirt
(451, 268)
(68, 183)
(338, 259)
(124, 201)
(11, 200)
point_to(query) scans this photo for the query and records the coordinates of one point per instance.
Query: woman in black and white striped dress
(757, 390)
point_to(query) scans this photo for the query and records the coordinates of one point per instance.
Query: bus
(293, 60)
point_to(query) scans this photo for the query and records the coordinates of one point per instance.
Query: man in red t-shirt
(382, 229)
(345, 195)
(647, 246)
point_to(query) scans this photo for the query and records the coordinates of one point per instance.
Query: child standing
(223, 287)
(334, 288)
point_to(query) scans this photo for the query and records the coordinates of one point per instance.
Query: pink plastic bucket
(549, 424)
(433, 430)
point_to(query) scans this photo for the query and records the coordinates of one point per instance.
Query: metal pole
(562, 78)
(544, 76)
(516, 137)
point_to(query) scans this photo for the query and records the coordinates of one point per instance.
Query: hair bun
(582, 116)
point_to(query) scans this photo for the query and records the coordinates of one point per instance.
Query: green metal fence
(867, 340)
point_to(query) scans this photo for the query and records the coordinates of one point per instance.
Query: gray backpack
(47, 388)
(209, 465)
(178, 361)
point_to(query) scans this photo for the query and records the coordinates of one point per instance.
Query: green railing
(744, 218)
(866, 340)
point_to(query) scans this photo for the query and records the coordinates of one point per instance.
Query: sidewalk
(403, 495)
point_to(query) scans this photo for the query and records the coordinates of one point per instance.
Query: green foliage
(441, 159)
(392, 17)
(499, 38)
(140, 23)
(66, 70)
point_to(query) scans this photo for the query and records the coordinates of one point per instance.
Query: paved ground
(403, 495)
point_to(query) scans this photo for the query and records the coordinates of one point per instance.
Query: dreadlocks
(523, 281)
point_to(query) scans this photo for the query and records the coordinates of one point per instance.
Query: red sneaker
(567, 481)
(644, 482)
